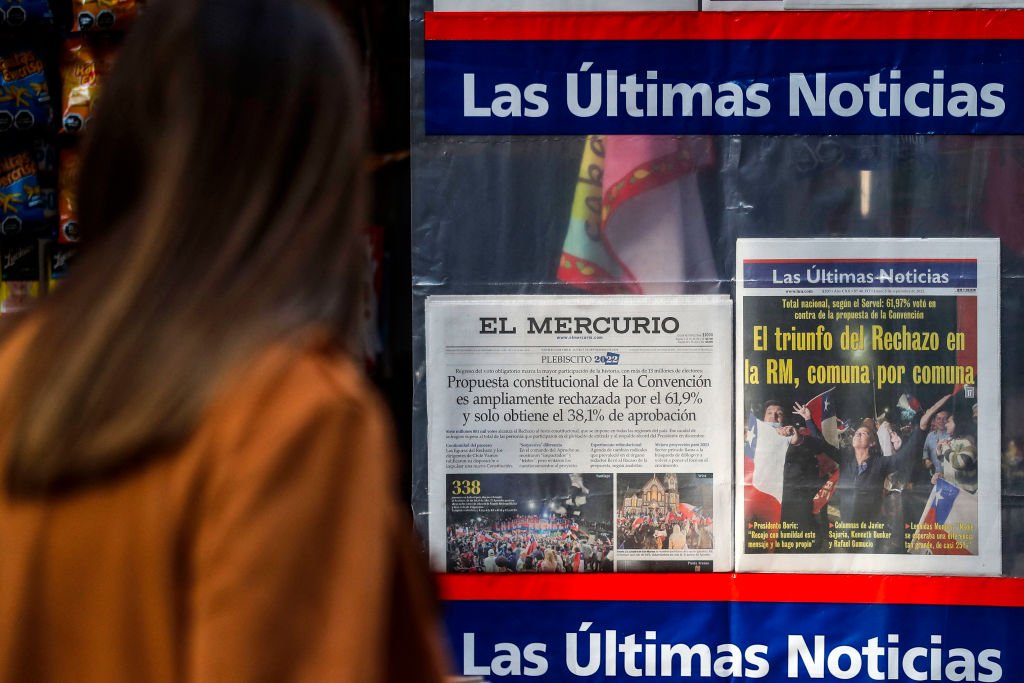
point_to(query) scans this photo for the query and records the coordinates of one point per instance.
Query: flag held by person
(908, 406)
(949, 525)
(765, 456)
(823, 412)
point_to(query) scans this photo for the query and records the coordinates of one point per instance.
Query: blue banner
(603, 640)
(928, 274)
(856, 86)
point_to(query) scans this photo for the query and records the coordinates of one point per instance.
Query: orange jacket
(270, 547)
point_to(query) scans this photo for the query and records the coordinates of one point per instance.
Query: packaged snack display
(24, 93)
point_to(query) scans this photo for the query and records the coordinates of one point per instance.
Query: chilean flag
(765, 451)
(908, 406)
(823, 412)
(685, 511)
(949, 525)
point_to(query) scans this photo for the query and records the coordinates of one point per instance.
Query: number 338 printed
(466, 487)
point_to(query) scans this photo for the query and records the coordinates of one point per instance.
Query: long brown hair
(220, 196)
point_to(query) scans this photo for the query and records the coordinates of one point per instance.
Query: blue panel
(750, 86)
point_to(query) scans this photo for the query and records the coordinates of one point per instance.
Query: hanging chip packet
(19, 275)
(59, 261)
(24, 94)
(104, 15)
(84, 64)
(18, 13)
(46, 156)
(67, 199)
(23, 201)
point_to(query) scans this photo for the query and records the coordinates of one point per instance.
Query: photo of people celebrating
(664, 512)
(530, 523)
(816, 482)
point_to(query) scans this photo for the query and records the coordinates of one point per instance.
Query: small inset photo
(523, 523)
(664, 512)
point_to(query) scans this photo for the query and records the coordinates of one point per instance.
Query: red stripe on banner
(859, 260)
(794, 588)
(860, 25)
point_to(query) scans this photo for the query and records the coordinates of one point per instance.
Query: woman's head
(866, 438)
(895, 438)
(228, 148)
(773, 412)
(221, 192)
(959, 423)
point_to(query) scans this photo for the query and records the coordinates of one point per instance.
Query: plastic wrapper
(59, 262)
(104, 15)
(23, 199)
(46, 154)
(18, 13)
(24, 93)
(83, 64)
(527, 190)
(20, 281)
(68, 196)
(564, 214)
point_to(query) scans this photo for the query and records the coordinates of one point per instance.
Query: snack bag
(104, 15)
(17, 296)
(22, 199)
(61, 256)
(83, 66)
(19, 275)
(45, 154)
(68, 196)
(15, 13)
(24, 95)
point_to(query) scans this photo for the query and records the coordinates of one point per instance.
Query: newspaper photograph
(867, 406)
(579, 433)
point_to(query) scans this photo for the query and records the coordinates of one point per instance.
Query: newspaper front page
(867, 406)
(579, 434)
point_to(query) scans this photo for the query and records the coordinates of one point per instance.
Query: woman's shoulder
(295, 374)
(295, 423)
(293, 388)
(16, 333)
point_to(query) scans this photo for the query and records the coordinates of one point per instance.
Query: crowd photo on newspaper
(665, 512)
(528, 523)
(903, 480)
